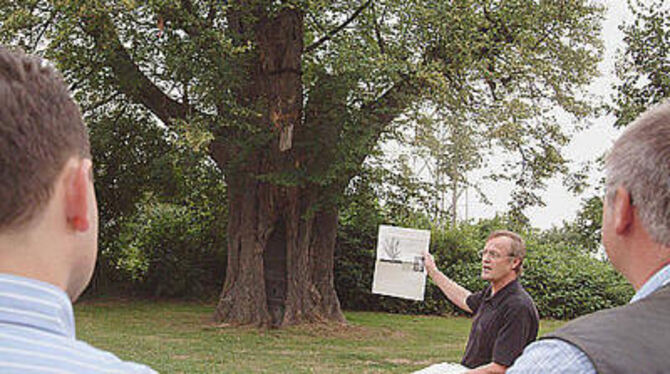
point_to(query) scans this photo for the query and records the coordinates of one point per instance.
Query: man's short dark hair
(40, 129)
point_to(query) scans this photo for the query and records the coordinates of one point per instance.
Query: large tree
(291, 96)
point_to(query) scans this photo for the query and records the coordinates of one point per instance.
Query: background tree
(644, 70)
(290, 97)
(644, 66)
(446, 147)
(584, 232)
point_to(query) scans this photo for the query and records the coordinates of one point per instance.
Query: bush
(170, 250)
(355, 256)
(157, 195)
(565, 281)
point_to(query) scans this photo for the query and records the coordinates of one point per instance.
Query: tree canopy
(290, 97)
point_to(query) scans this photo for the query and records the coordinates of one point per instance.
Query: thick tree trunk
(243, 299)
(280, 257)
(280, 251)
(323, 255)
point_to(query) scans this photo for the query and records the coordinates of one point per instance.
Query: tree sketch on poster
(399, 269)
(392, 249)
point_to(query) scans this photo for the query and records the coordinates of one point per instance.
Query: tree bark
(280, 249)
(280, 257)
(323, 255)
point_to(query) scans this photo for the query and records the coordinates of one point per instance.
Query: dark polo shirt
(503, 325)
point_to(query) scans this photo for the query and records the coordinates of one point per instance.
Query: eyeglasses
(492, 255)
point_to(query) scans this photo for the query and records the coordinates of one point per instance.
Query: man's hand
(492, 368)
(429, 262)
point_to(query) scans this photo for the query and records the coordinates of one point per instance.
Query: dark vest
(634, 338)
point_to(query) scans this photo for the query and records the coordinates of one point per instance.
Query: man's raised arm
(454, 292)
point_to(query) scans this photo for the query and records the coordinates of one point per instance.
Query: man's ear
(77, 190)
(623, 210)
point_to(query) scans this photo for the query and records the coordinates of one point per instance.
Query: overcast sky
(585, 146)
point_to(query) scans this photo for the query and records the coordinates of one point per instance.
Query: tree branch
(128, 77)
(316, 23)
(105, 101)
(376, 117)
(193, 26)
(380, 40)
(40, 34)
(212, 13)
(332, 33)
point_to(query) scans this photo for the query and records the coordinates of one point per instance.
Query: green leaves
(644, 66)
(496, 67)
(172, 250)
(566, 282)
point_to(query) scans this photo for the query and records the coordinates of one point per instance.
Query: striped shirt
(37, 333)
(553, 356)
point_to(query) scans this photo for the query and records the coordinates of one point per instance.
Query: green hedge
(567, 282)
(564, 281)
(173, 251)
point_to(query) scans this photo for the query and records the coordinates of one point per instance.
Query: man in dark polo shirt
(506, 319)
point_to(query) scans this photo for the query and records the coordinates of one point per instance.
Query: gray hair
(640, 162)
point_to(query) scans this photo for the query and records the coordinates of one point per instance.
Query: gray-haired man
(636, 234)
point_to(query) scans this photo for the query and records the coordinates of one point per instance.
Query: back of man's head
(640, 162)
(40, 129)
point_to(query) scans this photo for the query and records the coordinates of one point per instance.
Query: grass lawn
(178, 337)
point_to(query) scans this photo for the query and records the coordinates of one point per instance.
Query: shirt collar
(35, 304)
(502, 293)
(658, 280)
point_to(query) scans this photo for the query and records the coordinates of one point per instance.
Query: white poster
(443, 368)
(399, 269)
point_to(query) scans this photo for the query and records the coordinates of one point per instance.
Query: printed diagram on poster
(399, 269)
